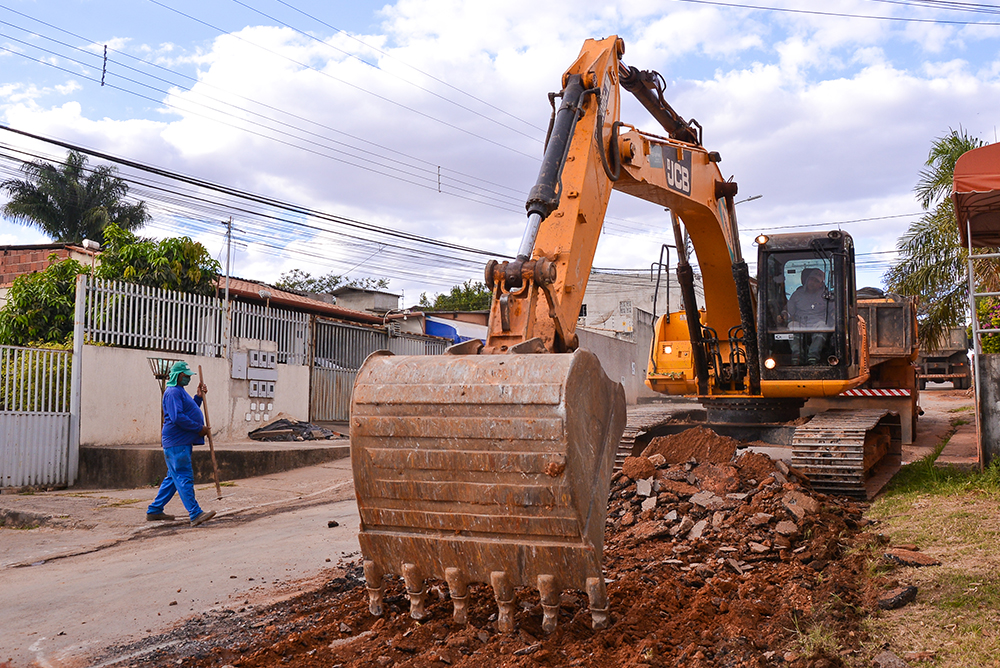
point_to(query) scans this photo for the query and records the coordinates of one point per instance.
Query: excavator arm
(537, 297)
(492, 463)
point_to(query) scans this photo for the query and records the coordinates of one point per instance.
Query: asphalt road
(69, 592)
(60, 612)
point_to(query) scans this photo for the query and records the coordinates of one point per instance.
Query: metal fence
(340, 350)
(133, 316)
(290, 330)
(35, 398)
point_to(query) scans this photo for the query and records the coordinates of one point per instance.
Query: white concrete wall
(120, 402)
(611, 300)
(623, 361)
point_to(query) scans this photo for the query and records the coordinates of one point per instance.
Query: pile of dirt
(700, 443)
(708, 563)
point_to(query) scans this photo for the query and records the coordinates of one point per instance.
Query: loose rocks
(638, 468)
(897, 598)
(910, 558)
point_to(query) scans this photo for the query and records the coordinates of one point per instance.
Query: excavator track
(839, 448)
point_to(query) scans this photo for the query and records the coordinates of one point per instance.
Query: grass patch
(954, 516)
(955, 617)
(817, 640)
(923, 477)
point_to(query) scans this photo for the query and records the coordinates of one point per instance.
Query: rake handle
(211, 445)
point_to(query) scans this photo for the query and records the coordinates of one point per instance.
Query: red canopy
(976, 194)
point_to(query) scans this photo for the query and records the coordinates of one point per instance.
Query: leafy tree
(303, 281)
(368, 283)
(932, 263)
(40, 305)
(470, 296)
(70, 202)
(176, 263)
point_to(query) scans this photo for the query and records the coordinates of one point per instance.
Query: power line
(347, 83)
(441, 81)
(260, 199)
(373, 66)
(814, 12)
(368, 143)
(830, 224)
(429, 179)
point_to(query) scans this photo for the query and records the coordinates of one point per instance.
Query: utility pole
(227, 331)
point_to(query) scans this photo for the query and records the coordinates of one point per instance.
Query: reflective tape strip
(875, 393)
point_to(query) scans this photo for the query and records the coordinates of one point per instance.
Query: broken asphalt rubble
(290, 429)
(713, 556)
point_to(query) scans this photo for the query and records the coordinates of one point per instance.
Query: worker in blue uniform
(183, 428)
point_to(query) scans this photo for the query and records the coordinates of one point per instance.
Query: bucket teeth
(598, 596)
(373, 580)
(459, 590)
(504, 592)
(548, 592)
(415, 590)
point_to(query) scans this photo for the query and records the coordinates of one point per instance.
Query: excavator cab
(807, 316)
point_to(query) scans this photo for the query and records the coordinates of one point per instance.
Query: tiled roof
(251, 291)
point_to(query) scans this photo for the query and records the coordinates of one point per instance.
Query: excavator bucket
(485, 468)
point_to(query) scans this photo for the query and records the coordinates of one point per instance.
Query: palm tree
(932, 263)
(70, 202)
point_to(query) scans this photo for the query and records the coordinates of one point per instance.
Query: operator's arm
(791, 311)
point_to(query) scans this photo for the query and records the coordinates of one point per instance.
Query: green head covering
(176, 370)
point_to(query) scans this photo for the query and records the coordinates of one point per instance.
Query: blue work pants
(180, 479)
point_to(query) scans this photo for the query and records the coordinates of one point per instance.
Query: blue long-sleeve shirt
(182, 418)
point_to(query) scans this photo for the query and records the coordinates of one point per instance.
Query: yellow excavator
(492, 464)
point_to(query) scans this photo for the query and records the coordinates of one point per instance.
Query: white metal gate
(339, 350)
(34, 417)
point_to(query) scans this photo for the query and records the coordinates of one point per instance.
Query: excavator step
(838, 449)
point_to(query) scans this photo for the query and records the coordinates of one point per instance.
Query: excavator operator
(809, 310)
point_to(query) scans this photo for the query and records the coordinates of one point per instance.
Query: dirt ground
(719, 562)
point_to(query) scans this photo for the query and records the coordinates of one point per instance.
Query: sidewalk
(962, 450)
(70, 522)
(943, 407)
(137, 465)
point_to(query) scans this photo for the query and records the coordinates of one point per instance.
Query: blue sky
(351, 108)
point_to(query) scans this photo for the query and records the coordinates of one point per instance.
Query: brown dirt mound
(718, 573)
(638, 468)
(699, 443)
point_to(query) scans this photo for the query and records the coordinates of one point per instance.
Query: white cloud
(829, 119)
(12, 234)
(113, 44)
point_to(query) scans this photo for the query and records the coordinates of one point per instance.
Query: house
(26, 259)
(365, 299)
(613, 301)
(262, 294)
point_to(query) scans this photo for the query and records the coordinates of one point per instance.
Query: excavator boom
(493, 463)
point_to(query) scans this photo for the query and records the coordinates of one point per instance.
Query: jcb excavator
(492, 464)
